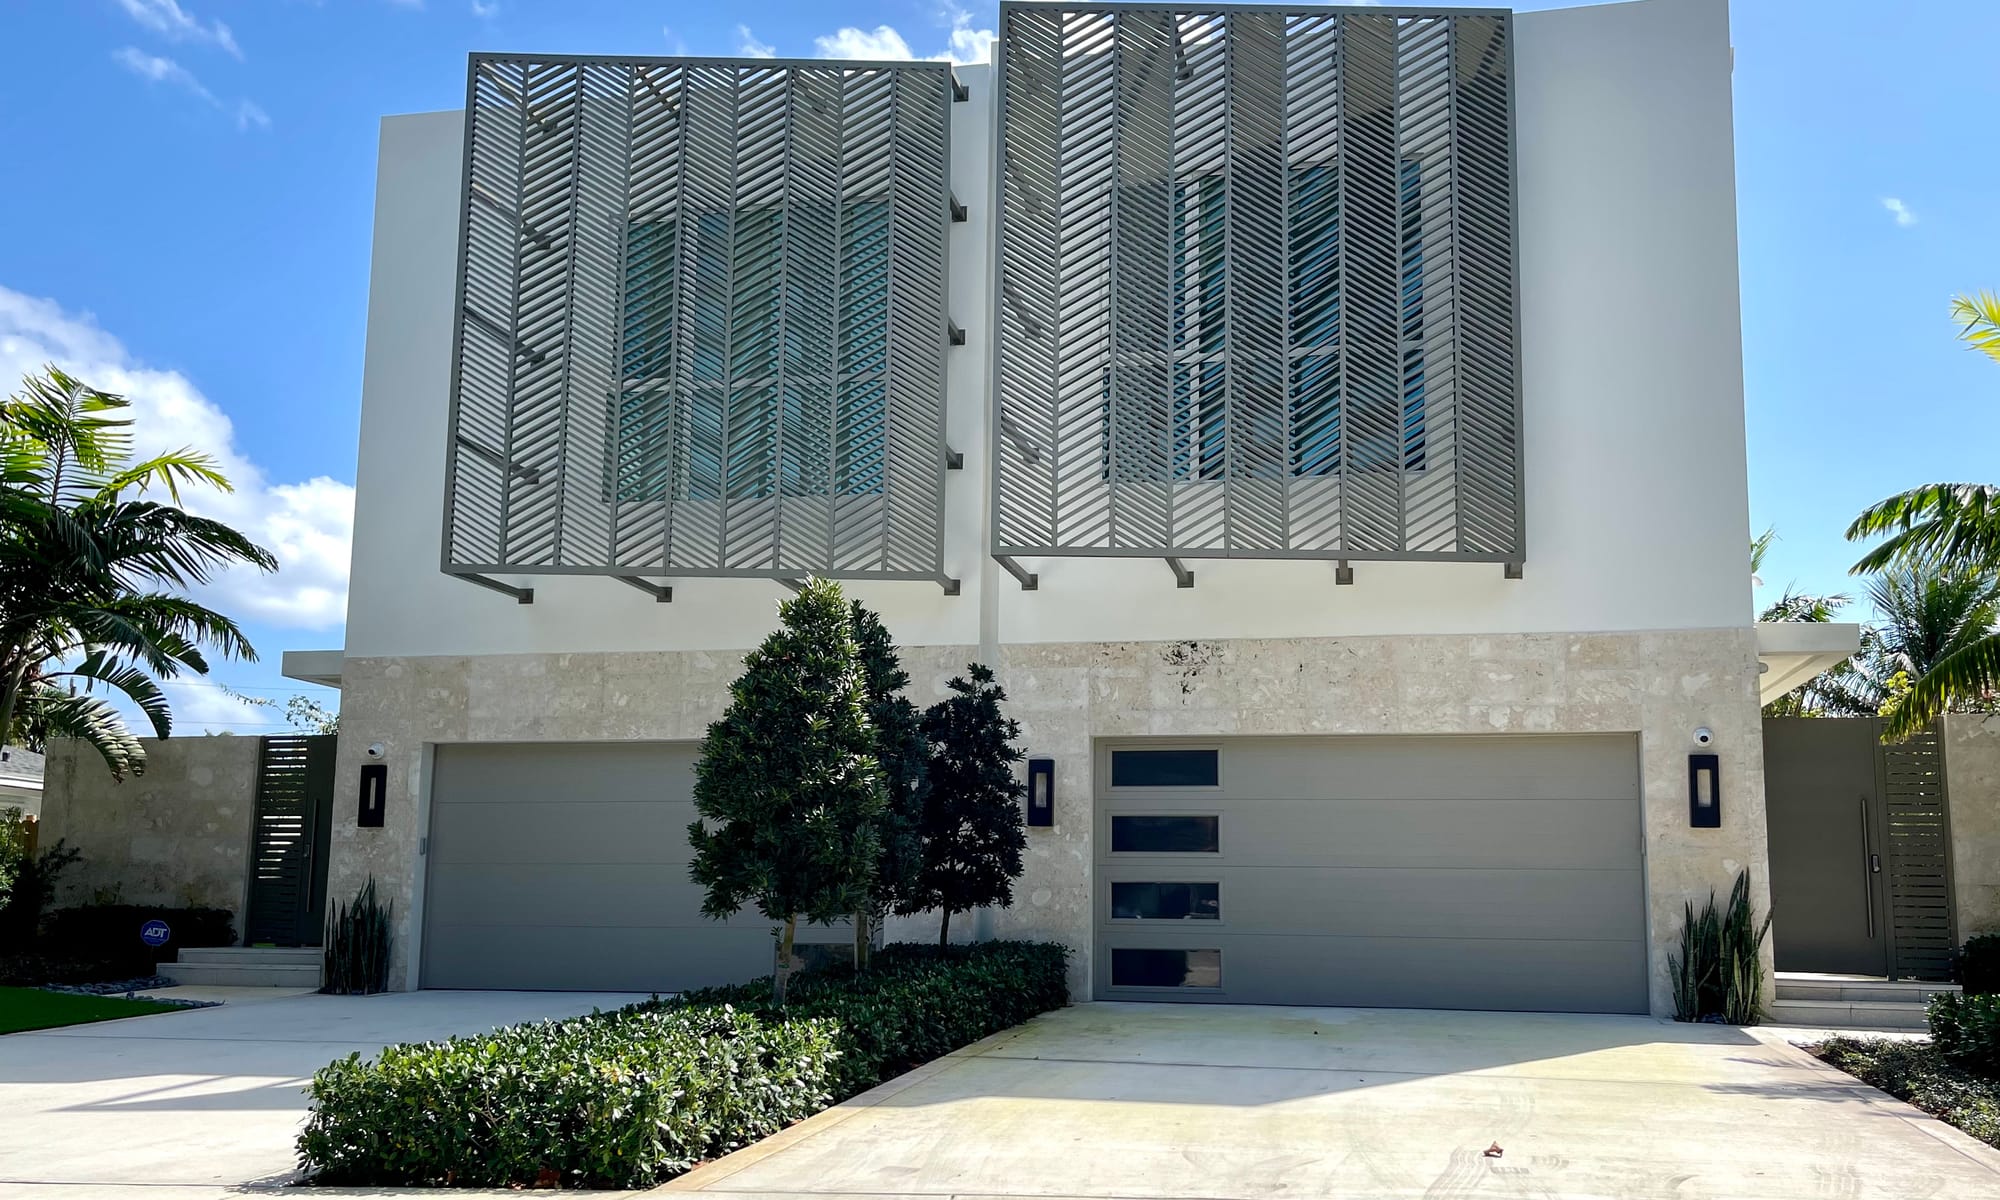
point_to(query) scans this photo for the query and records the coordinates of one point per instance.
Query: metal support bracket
(794, 585)
(521, 595)
(661, 593)
(954, 333)
(950, 585)
(1343, 574)
(1183, 577)
(959, 92)
(957, 211)
(953, 460)
(1513, 570)
(1028, 580)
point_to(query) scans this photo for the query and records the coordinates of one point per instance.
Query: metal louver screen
(1924, 933)
(1257, 288)
(701, 324)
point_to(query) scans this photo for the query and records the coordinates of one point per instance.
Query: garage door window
(1165, 835)
(1166, 968)
(1166, 768)
(1166, 901)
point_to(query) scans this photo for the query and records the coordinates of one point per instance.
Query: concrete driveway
(1186, 1101)
(194, 1103)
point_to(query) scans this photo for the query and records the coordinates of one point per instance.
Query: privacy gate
(1860, 849)
(288, 837)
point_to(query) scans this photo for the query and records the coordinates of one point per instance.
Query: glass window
(1165, 768)
(737, 352)
(1166, 968)
(1165, 835)
(1166, 901)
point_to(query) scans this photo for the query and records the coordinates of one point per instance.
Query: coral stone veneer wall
(1660, 685)
(178, 834)
(1972, 789)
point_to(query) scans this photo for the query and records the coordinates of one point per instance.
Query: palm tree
(1957, 527)
(93, 574)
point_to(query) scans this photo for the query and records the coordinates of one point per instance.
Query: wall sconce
(1041, 791)
(1704, 791)
(374, 795)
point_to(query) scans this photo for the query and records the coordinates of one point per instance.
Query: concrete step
(1834, 989)
(225, 974)
(1823, 1014)
(243, 956)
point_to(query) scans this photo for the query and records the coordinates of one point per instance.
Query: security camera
(1704, 736)
(378, 750)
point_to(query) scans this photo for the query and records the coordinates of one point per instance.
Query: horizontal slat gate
(291, 797)
(1918, 857)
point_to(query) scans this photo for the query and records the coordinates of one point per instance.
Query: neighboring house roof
(16, 763)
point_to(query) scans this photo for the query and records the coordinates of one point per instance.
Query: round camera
(1704, 736)
(377, 750)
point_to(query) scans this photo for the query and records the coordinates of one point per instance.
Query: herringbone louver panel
(702, 325)
(1257, 284)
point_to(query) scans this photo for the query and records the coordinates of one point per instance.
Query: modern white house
(1327, 421)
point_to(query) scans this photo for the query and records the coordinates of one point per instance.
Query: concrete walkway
(1239, 1103)
(195, 1104)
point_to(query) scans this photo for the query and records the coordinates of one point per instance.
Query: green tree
(904, 758)
(787, 787)
(93, 573)
(972, 824)
(1957, 527)
(308, 714)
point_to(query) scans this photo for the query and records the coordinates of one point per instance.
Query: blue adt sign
(155, 933)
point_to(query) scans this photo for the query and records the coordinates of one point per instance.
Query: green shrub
(356, 959)
(1718, 974)
(1916, 1072)
(633, 1097)
(34, 890)
(14, 853)
(1966, 1030)
(111, 931)
(1979, 965)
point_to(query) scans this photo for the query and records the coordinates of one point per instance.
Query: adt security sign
(155, 932)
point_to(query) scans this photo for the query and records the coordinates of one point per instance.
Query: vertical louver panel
(702, 324)
(1924, 934)
(1257, 284)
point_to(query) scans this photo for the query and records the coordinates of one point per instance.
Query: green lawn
(33, 1008)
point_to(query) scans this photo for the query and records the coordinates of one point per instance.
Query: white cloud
(676, 44)
(1899, 210)
(308, 524)
(485, 8)
(748, 45)
(154, 69)
(168, 19)
(963, 44)
(249, 116)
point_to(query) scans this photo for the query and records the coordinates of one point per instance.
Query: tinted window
(1166, 968)
(1164, 768)
(1165, 835)
(1166, 901)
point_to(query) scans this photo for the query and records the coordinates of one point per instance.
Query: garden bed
(1919, 1073)
(634, 1097)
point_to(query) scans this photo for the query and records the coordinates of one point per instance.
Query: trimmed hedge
(111, 931)
(633, 1097)
(1966, 1030)
(1979, 965)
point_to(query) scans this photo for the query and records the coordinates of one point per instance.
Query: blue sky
(189, 214)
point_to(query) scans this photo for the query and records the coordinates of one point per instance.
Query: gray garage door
(565, 867)
(1431, 872)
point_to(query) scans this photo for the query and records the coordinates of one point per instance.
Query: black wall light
(1704, 791)
(1041, 791)
(374, 795)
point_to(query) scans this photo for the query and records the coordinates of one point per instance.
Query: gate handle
(1874, 867)
(1874, 864)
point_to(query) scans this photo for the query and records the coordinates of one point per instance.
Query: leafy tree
(787, 787)
(1957, 527)
(310, 715)
(13, 850)
(93, 573)
(904, 758)
(972, 835)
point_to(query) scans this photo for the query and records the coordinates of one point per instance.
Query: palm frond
(89, 719)
(1949, 522)
(1978, 317)
(114, 672)
(1968, 672)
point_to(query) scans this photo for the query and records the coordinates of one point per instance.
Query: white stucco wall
(1637, 509)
